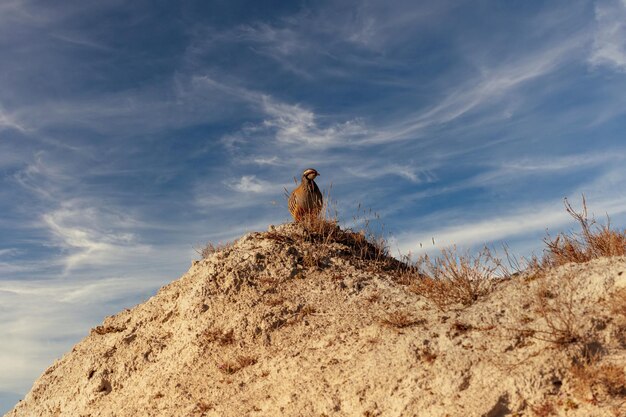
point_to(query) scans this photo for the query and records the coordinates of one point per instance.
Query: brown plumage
(306, 200)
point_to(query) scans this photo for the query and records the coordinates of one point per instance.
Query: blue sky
(131, 132)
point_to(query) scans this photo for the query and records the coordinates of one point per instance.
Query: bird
(306, 200)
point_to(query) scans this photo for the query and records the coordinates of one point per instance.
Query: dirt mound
(284, 324)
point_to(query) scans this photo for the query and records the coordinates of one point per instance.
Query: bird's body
(306, 200)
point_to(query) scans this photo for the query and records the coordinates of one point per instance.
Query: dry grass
(598, 382)
(559, 321)
(453, 278)
(593, 241)
(556, 305)
(366, 243)
(211, 248)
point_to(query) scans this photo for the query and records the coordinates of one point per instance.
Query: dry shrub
(456, 278)
(212, 248)
(367, 242)
(556, 305)
(593, 241)
(560, 322)
(596, 382)
(399, 320)
(361, 244)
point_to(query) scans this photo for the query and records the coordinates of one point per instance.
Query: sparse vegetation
(365, 243)
(211, 248)
(454, 278)
(556, 306)
(593, 241)
(598, 382)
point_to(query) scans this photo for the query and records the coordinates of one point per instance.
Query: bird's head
(309, 174)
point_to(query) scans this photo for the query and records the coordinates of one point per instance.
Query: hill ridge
(288, 322)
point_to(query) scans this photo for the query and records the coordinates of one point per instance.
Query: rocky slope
(278, 325)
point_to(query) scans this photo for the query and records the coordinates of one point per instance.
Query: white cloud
(529, 220)
(296, 125)
(609, 45)
(373, 171)
(91, 236)
(8, 252)
(8, 121)
(274, 160)
(41, 319)
(489, 86)
(287, 123)
(250, 184)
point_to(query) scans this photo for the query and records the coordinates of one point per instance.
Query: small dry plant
(598, 382)
(556, 305)
(365, 243)
(559, 321)
(455, 278)
(593, 241)
(399, 320)
(211, 248)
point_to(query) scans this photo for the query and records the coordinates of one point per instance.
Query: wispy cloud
(9, 122)
(409, 172)
(527, 221)
(250, 184)
(487, 88)
(80, 230)
(609, 45)
(295, 125)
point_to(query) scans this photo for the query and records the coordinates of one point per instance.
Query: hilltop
(289, 323)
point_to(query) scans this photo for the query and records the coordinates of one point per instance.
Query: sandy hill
(284, 324)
